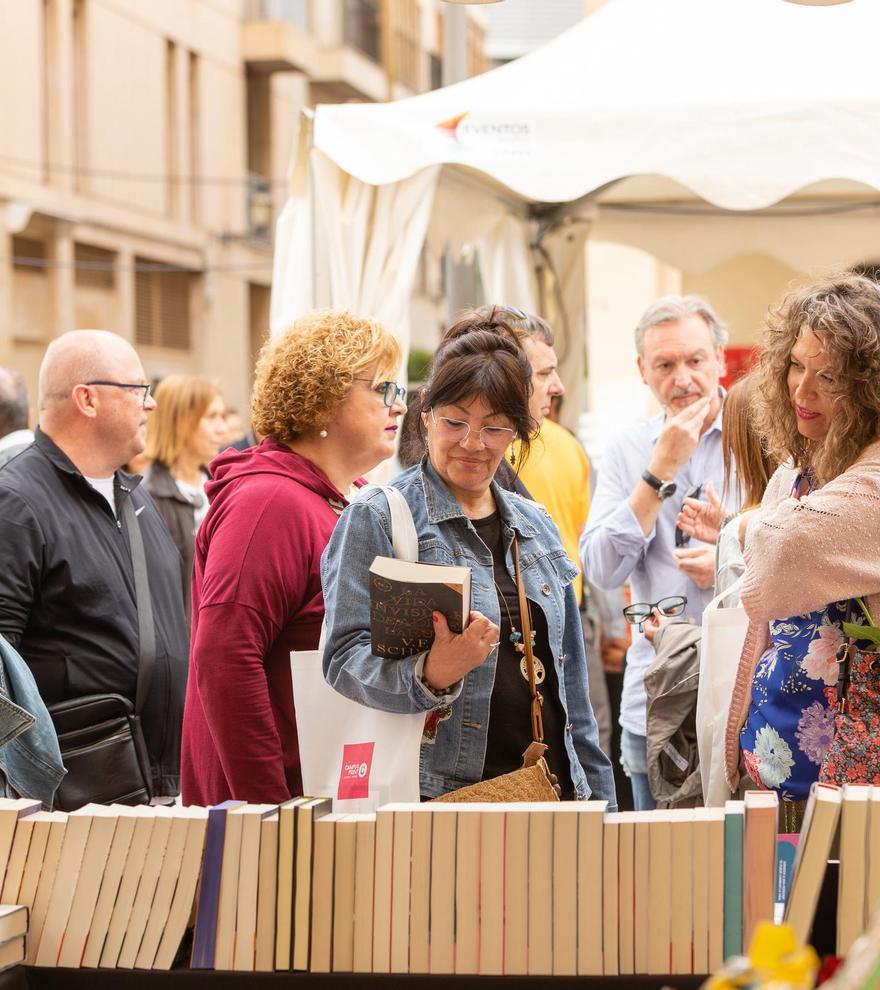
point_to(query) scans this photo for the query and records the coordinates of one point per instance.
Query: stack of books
(13, 934)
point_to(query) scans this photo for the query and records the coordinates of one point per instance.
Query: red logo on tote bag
(354, 777)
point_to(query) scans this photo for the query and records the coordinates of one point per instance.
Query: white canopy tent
(618, 128)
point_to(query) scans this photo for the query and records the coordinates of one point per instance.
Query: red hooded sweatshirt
(256, 596)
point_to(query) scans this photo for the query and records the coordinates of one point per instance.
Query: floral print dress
(790, 723)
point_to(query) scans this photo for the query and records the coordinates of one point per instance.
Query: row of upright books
(427, 888)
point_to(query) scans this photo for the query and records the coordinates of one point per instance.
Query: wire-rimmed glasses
(144, 388)
(638, 613)
(458, 430)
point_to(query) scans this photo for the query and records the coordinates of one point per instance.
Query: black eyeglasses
(681, 538)
(638, 613)
(392, 392)
(144, 388)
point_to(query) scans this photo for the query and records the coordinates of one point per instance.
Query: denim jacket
(447, 536)
(30, 760)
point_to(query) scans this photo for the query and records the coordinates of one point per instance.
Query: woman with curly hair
(326, 402)
(805, 705)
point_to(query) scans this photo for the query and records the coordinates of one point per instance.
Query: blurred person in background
(672, 681)
(326, 402)
(235, 435)
(710, 521)
(14, 415)
(646, 473)
(233, 431)
(183, 436)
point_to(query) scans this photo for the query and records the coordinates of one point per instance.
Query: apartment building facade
(143, 154)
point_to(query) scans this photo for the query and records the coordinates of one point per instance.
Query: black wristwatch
(664, 489)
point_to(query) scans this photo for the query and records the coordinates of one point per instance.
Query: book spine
(205, 932)
(733, 884)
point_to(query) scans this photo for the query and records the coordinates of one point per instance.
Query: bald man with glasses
(71, 600)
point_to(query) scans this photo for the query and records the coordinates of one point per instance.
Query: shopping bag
(361, 757)
(721, 643)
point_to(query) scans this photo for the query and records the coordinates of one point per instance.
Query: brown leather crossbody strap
(525, 621)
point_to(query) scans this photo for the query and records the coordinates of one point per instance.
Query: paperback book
(403, 596)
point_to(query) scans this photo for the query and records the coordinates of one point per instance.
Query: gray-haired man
(645, 475)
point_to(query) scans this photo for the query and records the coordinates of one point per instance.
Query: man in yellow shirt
(557, 473)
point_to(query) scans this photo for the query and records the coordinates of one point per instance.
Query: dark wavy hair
(508, 322)
(844, 311)
(482, 363)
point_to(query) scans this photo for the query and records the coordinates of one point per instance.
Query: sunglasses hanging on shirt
(638, 613)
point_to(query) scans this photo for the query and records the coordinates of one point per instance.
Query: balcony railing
(292, 11)
(361, 27)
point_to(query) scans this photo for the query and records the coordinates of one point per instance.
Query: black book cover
(400, 610)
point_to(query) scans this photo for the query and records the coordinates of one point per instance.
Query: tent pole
(313, 221)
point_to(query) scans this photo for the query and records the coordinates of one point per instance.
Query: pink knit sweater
(800, 555)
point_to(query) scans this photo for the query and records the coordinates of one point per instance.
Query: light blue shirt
(613, 547)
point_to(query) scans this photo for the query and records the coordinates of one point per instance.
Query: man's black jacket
(67, 598)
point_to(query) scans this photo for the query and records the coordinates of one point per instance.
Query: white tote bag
(721, 643)
(359, 756)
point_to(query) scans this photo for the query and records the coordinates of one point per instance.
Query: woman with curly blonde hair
(805, 705)
(326, 402)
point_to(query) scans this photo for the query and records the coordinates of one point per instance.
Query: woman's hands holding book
(452, 656)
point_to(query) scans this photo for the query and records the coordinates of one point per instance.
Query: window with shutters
(96, 301)
(95, 267)
(31, 290)
(29, 254)
(163, 307)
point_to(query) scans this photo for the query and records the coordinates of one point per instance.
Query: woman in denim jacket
(474, 405)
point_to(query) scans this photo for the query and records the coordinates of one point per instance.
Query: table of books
(415, 894)
(26, 978)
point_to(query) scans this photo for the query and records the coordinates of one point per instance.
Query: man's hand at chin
(697, 564)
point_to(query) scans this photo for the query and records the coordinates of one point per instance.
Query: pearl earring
(323, 434)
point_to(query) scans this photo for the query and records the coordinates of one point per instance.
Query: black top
(67, 597)
(510, 724)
